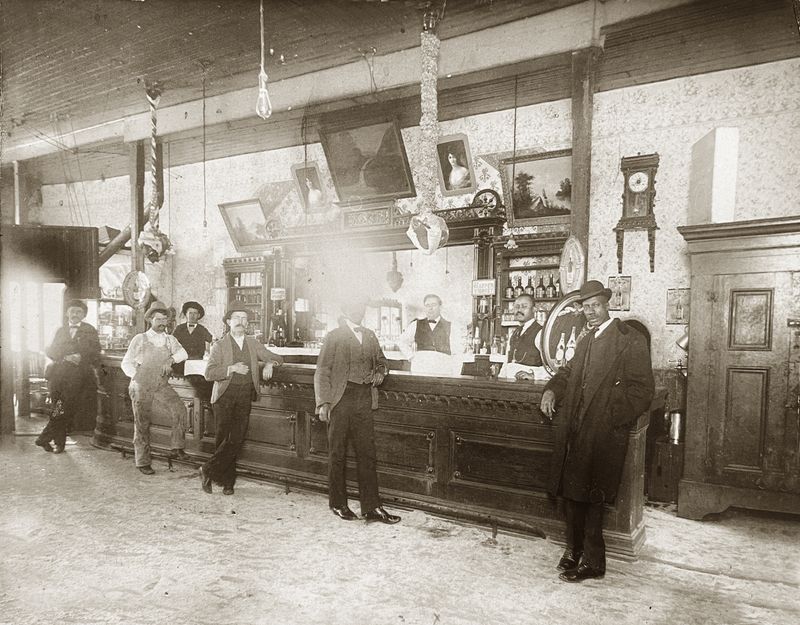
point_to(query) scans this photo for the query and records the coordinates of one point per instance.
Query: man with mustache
(75, 352)
(522, 346)
(148, 363)
(233, 367)
(600, 394)
(195, 338)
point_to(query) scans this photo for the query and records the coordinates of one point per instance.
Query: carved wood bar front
(468, 448)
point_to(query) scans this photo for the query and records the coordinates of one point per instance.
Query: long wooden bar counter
(469, 448)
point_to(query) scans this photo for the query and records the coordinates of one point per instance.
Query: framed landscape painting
(537, 186)
(247, 224)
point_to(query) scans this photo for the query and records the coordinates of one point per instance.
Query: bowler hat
(593, 288)
(156, 307)
(235, 307)
(194, 305)
(77, 304)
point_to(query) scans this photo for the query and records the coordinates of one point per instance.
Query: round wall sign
(136, 289)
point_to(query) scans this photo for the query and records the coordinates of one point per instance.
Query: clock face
(638, 181)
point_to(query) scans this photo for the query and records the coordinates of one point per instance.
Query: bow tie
(191, 326)
(357, 329)
(433, 322)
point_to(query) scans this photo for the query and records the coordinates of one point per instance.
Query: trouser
(232, 414)
(351, 420)
(144, 402)
(585, 531)
(56, 428)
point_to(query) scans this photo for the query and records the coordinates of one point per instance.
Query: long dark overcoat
(591, 436)
(75, 384)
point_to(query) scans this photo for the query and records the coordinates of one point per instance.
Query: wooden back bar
(468, 448)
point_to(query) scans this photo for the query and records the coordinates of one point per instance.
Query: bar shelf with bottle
(245, 279)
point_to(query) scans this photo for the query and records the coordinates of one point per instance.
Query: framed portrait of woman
(456, 176)
(309, 186)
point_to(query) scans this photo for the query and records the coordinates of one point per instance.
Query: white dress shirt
(133, 357)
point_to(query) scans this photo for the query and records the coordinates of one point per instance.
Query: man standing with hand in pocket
(233, 367)
(350, 367)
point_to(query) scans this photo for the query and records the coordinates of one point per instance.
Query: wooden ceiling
(69, 60)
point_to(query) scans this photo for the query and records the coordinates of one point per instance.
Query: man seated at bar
(427, 342)
(522, 350)
(195, 338)
(350, 367)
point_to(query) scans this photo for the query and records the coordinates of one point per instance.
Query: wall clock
(638, 198)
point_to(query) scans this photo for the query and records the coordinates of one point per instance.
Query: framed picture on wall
(246, 222)
(537, 186)
(620, 292)
(367, 163)
(456, 175)
(677, 306)
(309, 186)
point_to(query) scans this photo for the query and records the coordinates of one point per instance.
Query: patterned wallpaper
(762, 101)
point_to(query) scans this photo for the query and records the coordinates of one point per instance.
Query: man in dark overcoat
(599, 393)
(75, 352)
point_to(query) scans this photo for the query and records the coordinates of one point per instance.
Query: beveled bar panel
(470, 448)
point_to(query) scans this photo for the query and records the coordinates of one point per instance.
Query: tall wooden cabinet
(743, 402)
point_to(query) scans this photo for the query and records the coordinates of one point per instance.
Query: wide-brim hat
(593, 288)
(194, 305)
(235, 308)
(76, 303)
(155, 307)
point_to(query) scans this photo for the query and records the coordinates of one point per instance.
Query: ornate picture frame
(368, 164)
(309, 185)
(620, 292)
(456, 172)
(246, 221)
(678, 305)
(541, 191)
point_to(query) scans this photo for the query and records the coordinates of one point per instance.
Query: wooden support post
(136, 177)
(584, 63)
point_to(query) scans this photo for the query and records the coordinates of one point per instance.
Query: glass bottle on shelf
(550, 290)
(510, 288)
(476, 341)
(529, 290)
(518, 290)
(558, 288)
(560, 350)
(540, 290)
(569, 352)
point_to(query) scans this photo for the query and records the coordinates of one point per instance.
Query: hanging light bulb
(263, 104)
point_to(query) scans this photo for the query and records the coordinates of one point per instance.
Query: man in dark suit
(600, 393)
(194, 337)
(522, 345)
(350, 367)
(233, 367)
(75, 352)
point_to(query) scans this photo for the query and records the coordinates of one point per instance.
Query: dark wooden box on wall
(65, 254)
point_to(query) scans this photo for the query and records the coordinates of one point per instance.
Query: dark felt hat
(77, 304)
(194, 305)
(155, 307)
(235, 307)
(593, 288)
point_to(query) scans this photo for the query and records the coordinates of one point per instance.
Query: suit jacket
(85, 343)
(221, 358)
(522, 347)
(333, 364)
(596, 408)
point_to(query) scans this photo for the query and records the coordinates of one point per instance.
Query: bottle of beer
(540, 290)
(510, 288)
(518, 289)
(558, 287)
(560, 350)
(529, 290)
(550, 290)
(570, 351)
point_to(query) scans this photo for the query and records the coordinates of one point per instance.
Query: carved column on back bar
(584, 64)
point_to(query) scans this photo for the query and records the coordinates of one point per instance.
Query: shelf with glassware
(533, 269)
(245, 279)
(116, 323)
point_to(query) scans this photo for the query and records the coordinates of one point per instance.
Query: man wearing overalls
(148, 363)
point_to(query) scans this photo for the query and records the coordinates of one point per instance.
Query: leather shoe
(147, 470)
(44, 445)
(59, 449)
(228, 490)
(205, 478)
(582, 572)
(179, 454)
(344, 513)
(379, 514)
(569, 560)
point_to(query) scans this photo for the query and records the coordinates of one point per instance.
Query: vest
(437, 340)
(360, 370)
(241, 355)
